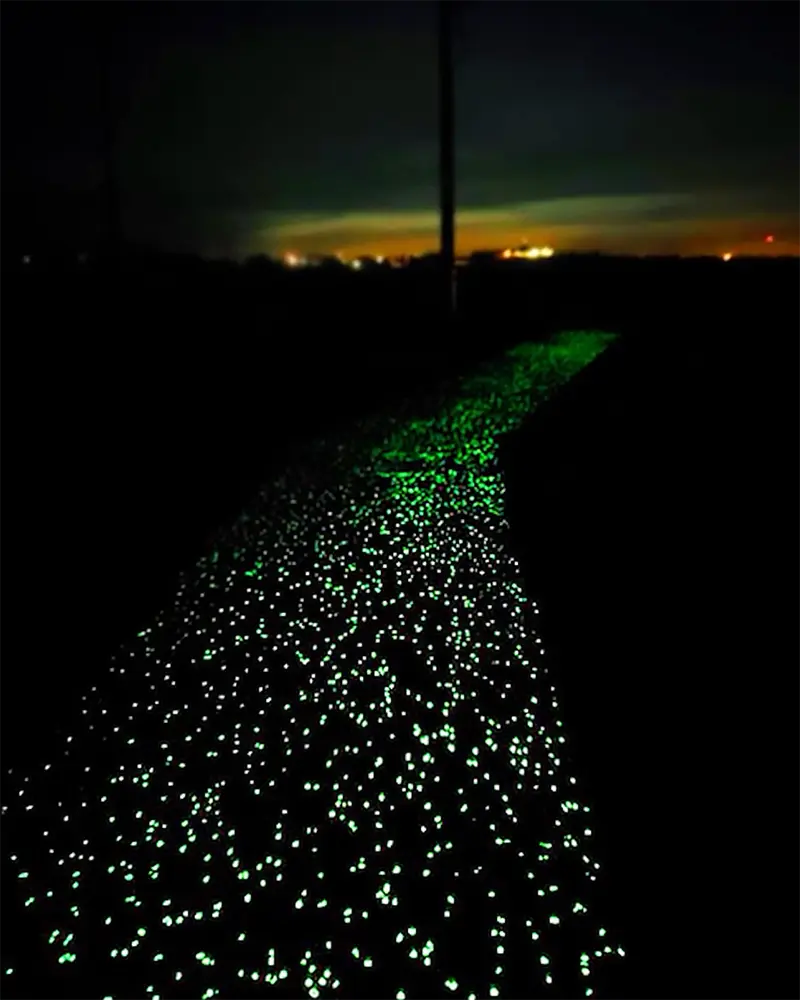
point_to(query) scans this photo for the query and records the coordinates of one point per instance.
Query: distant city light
(770, 239)
(528, 253)
(296, 260)
(727, 256)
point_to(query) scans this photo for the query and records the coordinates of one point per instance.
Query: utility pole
(111, 216)
(446, 163)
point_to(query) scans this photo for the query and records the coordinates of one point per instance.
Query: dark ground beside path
(653, 505)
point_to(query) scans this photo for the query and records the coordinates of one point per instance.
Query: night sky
(311, 127)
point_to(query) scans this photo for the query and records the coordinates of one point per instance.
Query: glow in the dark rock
(336, 765)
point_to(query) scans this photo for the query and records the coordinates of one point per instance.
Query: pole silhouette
(446, 161)
(111, 214)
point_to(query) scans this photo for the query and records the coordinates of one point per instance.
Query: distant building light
(356, 265)
(528, 253)
(26, 258)
(380, 259)
(727, 256)
(770, 239)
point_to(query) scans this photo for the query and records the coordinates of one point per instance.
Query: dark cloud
(234, 117)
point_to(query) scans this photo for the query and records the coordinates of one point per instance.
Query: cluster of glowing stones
(336, 763)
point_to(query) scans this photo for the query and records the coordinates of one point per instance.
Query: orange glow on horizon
(700, 238)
